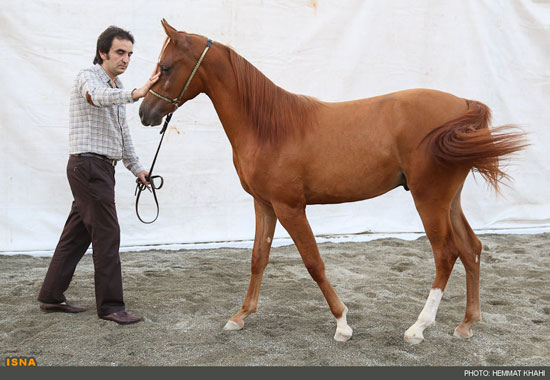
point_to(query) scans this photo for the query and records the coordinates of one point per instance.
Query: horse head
(180, 54)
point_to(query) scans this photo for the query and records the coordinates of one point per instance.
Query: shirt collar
(106, 78)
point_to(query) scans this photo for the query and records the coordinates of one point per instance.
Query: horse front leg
(265, 228)
(295, 222)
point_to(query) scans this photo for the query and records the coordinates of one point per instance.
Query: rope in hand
(176, 103)
(152, 187)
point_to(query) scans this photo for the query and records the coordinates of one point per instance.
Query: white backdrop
(497, 52)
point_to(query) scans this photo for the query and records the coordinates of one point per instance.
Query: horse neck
(252, 109)
(221, 87)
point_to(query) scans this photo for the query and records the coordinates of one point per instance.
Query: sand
(187, 296)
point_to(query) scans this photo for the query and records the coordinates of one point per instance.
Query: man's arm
(97, 94)
(100, 96)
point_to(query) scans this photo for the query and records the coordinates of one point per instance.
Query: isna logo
(20, 362)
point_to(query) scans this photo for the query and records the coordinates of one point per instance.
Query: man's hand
(143, 177)
(143, 90)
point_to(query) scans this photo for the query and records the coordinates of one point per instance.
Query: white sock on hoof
(343, 330)
(230, 325)
(415, 333)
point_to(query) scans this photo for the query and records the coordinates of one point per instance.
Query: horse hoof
(232, 326)
(412, 336)
(343, 334)
(463, 335)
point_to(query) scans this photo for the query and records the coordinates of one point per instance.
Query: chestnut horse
(291, 151)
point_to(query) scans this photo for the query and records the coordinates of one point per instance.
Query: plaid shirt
(101, 128)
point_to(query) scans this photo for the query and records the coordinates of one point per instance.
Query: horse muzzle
(150, 118)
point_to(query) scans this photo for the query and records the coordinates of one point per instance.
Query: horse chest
(244, 173)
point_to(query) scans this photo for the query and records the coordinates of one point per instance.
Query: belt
(101, 157)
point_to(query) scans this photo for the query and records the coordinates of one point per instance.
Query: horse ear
(170, 31)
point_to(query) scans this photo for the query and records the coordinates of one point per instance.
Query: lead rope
(140, 186)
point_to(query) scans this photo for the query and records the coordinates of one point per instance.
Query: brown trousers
(93, 219)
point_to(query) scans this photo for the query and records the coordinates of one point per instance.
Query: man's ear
(103, 55)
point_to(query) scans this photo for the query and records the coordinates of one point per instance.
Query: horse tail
(467, 141)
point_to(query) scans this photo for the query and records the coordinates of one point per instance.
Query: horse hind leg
(295, 222)
(470, 256)
(435, 216)
(265, 228)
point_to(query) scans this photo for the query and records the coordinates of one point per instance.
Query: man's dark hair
(105, 41)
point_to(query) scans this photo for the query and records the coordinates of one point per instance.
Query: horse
(292, 150)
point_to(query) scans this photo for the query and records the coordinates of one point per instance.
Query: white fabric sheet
(497, 52)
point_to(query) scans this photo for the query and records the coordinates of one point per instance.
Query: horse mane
(273, 111)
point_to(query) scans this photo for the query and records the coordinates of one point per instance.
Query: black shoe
(64, 307)
(122, 318)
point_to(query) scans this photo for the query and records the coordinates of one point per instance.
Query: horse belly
(353, 155)
(337, 179)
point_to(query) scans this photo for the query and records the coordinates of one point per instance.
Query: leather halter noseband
(176, 101)
(140, 186)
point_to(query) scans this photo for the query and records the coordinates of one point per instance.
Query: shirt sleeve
(129, 157)
(90, 88)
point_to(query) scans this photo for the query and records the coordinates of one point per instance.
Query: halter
(176, 101)
(140, 186)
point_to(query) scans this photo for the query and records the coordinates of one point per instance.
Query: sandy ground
(187, 296)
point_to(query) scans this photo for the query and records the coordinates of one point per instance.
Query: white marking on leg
(414, 334)
(477, 259)
(268, 240)
(230, 325)
(343, 330)
(459, 335)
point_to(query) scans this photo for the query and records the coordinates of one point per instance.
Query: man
(98, 138)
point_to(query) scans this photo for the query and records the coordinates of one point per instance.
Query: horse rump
(469, 142)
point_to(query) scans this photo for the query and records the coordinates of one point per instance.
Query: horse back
(353, 150)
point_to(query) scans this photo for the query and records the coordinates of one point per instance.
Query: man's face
(117, 60)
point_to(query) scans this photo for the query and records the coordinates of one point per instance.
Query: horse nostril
(143, 116)
(143, 119)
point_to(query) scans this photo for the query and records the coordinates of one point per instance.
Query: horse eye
(164, 69)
